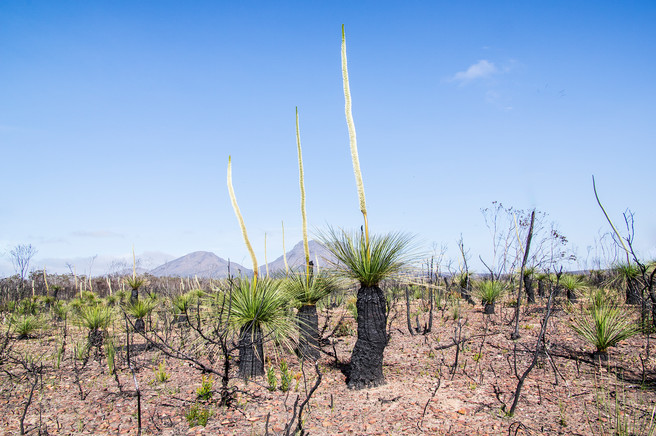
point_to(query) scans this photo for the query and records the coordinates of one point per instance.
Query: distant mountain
(201, 264)
(319, 254)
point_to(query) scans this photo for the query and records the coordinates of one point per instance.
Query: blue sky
(117, 119)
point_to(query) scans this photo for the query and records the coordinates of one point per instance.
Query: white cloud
(479, 70)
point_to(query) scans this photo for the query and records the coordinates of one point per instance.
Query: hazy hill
(201, 264)
(296, 258)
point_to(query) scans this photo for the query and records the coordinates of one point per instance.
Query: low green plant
(160, 373)
(112, 300)
(81, 350)
(197, 415)
(618, 412)
(271, 379)
(455, 310)
(351, 306)
(110, 351)
(562, 420)
(59, 354)
(285, 376)
(344, 328)
(205, 392)
(26, 326)
(28, 306)
(59, 310)
(89, 297)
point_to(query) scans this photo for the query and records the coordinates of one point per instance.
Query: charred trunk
(308, 327)
(96, 337)
(632, 293)
(407, 311)
(541, 288)
(600, 357)
(488, 308)
(571, 296)
(367, 357)
(251, 351)
(530, 291)
(139, 325)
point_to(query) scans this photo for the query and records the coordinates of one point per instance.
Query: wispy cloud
(479, 70)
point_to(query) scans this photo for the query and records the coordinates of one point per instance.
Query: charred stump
(632, 293)
(367, 358)
(541, 288)
(95, 338)
(308, 327)
(530, 291)
(139, 326)
(251, 351)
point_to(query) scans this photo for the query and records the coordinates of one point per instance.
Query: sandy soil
(425, 393)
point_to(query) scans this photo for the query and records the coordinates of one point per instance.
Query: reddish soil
(424, 393)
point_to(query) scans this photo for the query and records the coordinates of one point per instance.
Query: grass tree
(258, 307)
(604, 323)
(368, 260)
(180, 305)
(306, 291)
(489, 292)
(529, 274)
(258, 312)
(95, 318)
(25, 326)
(542, 278)
(628, 275)
(140, 309)
(573, 285)
(134, 282)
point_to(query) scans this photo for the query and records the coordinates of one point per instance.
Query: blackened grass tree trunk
(367, 357)
(306, 292)
(251, 351)
(528, 285)
(308, 327)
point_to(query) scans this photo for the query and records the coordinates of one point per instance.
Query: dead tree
(515, 334)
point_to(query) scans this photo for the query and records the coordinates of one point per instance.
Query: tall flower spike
(284, 252)
(301, 180)
(242, 225)
(266, 262)
(352, 138)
